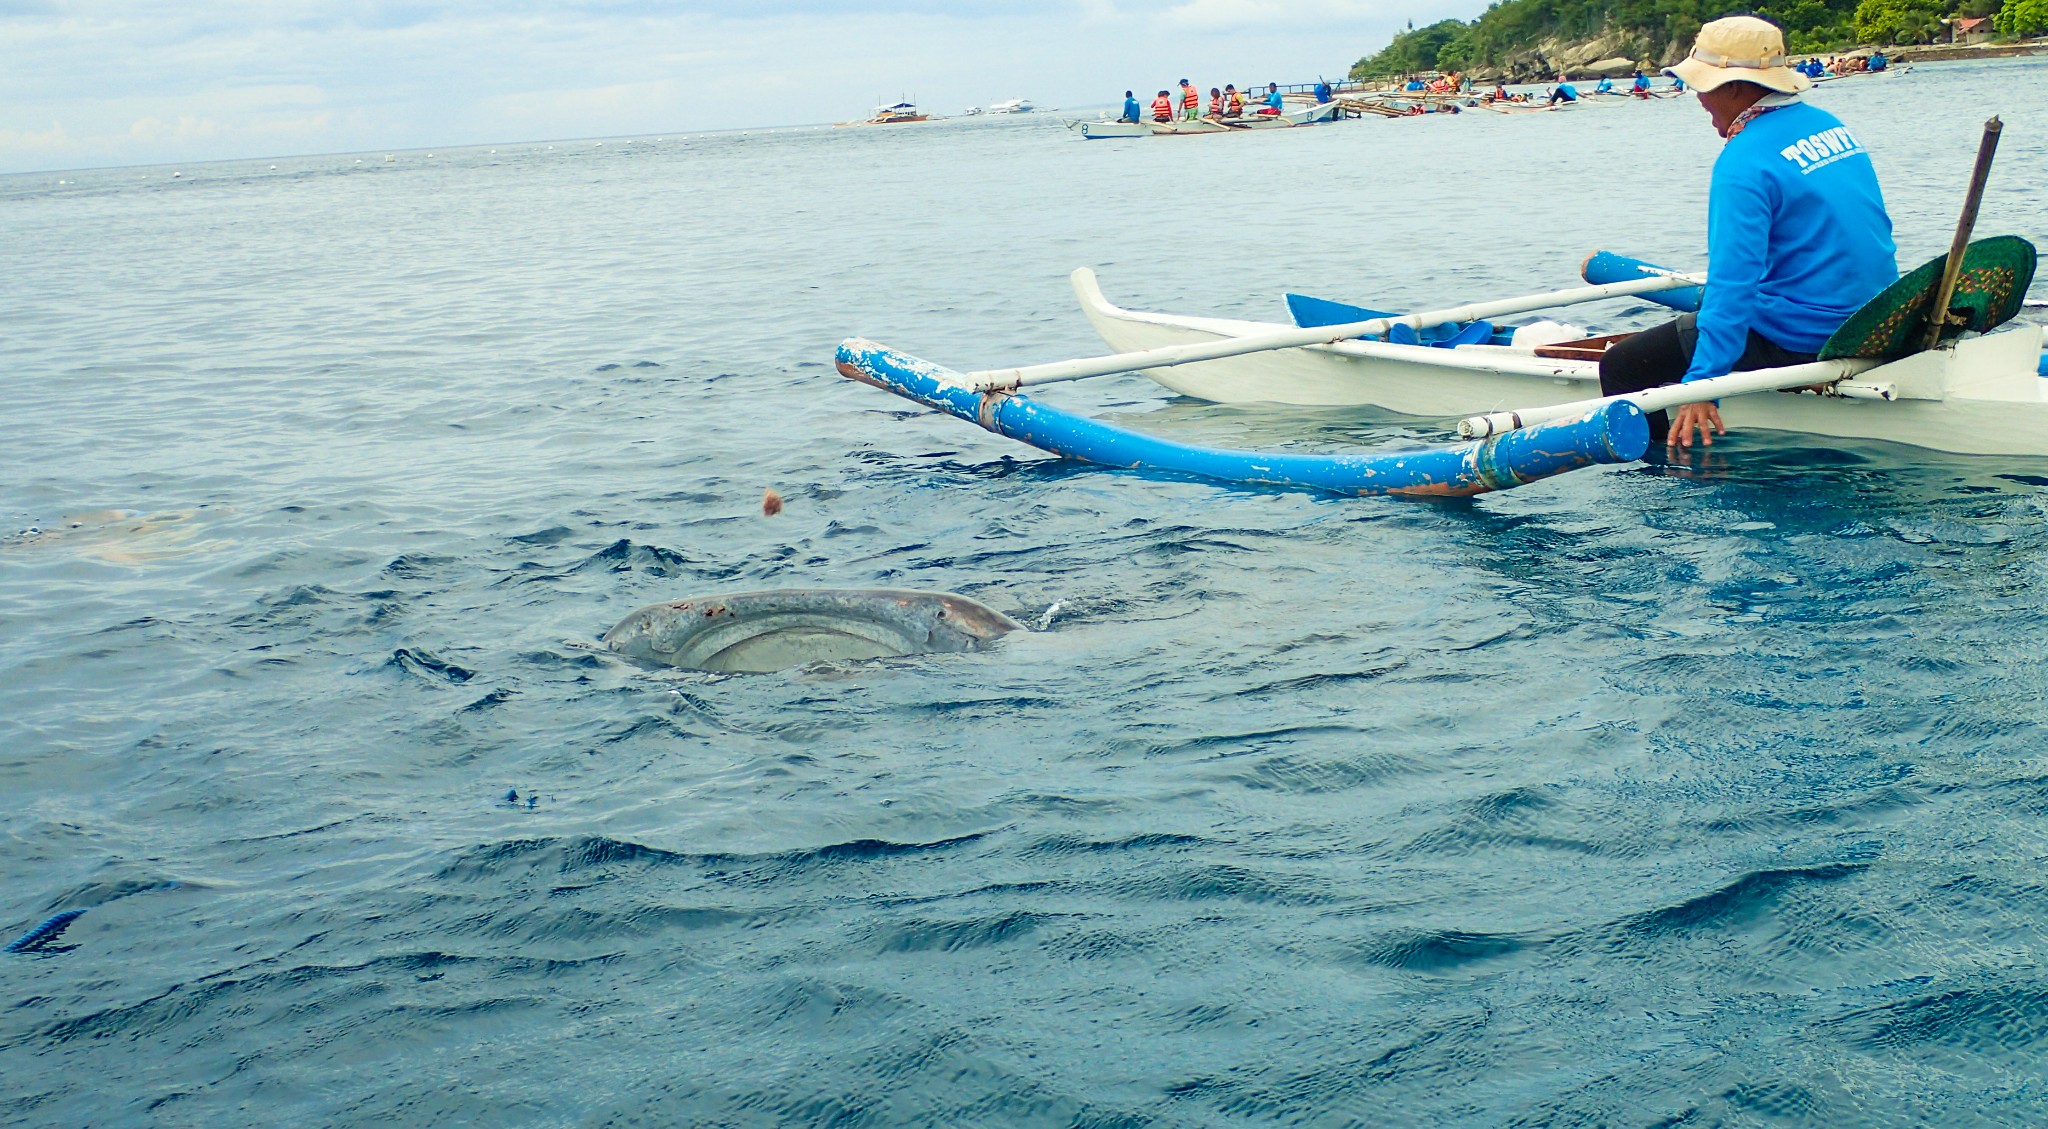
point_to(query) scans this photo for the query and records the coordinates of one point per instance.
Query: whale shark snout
(765, 631)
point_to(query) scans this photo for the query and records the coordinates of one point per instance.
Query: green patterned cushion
(1989, 292)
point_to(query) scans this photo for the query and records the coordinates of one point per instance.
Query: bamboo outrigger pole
(1937, 317)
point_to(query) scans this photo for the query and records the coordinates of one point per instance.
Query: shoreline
(1955, 52)
(1601, 55)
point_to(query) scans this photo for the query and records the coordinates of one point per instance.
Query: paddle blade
(1603, 267)
(1311, 312)
(1989, 292)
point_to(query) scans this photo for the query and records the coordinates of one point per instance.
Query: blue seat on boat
(1309, 312)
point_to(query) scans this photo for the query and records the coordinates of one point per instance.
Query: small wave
(1442, 950)
(1078, 844)
(414, 565)
(626, 555)
(496, 697)
(552, 535)
(955, 935)
(1997, 1019)
(1225, 882)
(424, 664)
(1741, 900)
(597, 852)
(1307, 775)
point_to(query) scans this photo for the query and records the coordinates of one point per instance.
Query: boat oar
(1669, 396)
(1938, 315)
(1010, 379)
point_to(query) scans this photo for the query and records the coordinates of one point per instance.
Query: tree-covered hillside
(1510, 32)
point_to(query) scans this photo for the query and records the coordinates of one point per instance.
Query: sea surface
(1713, 794)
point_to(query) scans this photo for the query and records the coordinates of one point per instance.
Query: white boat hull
(1098, 130)
(1980, 395)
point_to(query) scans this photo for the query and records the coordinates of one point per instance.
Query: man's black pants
(1660, 356)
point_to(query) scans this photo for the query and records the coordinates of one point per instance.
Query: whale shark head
(765, 631)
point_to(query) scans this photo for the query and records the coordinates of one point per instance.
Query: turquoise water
(1654, 796)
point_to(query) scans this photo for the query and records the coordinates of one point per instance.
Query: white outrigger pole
(1010, 379)
(1667, 396)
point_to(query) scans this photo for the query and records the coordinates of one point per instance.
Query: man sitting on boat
(1162, 107)
(1604, 86)
(1236, 99)
(1131, 109)
(1797, 234)
(1641, 87)
(1273, 100)
(1565, 92)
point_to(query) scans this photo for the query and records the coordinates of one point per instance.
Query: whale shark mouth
(757, 632)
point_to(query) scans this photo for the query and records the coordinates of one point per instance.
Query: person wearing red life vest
(1215, 102)
(1162, 107)
(1190, 100)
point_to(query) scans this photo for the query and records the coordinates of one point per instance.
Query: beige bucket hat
(1739, 49)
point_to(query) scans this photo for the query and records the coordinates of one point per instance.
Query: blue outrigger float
(1614, 431)
(1607, 432)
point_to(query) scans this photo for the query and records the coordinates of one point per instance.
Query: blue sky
(115, 82)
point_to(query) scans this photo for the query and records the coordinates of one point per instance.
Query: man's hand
(1703, 416)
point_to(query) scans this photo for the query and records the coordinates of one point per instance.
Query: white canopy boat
(1976, 394)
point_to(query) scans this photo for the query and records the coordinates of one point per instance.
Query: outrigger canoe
(1969, 380)
(1298, 115)
(1981, 393)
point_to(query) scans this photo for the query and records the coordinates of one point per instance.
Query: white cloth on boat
(1546, 333)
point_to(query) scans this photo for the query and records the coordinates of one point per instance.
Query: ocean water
(1660, 795)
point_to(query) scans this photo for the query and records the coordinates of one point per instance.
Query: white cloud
(1225, 15)
(33, 142)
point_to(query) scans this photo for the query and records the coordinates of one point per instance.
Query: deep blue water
(1650, 796)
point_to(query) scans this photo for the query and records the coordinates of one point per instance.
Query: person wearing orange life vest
(1190, 100)
(1215, 102)
(1162, 107)
(1233, 101)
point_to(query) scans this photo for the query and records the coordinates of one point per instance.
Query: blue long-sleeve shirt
(1797, 237)
(1131, 110)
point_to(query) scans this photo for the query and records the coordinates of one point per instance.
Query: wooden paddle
(1005, 380)
(1938, 315)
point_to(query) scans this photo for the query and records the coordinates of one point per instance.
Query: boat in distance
(898, 113)
(1977, 394)
(1296, 115)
